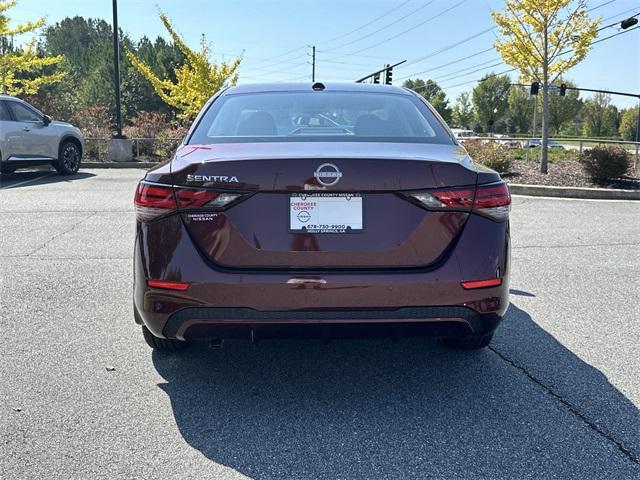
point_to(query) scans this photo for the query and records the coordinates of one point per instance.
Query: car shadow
(377, 409)
(43, 176)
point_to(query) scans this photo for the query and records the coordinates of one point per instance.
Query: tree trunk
(545, 107)
(545, 126)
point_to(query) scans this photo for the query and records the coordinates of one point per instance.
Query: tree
(463, 111)
(599, 116)
(21, 70)
(563, 109)
(520, 109)
(544, 39)
(87, 47)
(432, 92)
(490, 99)
(628, 124)
(195, 80)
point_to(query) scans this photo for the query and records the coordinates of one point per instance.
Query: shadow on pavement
(377, 409)
(16, 179)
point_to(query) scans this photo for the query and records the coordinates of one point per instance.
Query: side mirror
(46, 120)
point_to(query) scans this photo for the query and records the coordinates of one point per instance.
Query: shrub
(163, 135)
(492, 154)
(602, 163)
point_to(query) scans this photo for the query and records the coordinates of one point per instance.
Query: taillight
(194, 198)
(152, 200)
(492, 200)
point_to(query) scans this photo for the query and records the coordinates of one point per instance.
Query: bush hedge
(604, 163)
(492, 154)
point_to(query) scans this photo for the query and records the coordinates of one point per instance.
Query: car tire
(472, 342)
(69, 158)
(162, 344)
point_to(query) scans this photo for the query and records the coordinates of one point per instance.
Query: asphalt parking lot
(555, 396)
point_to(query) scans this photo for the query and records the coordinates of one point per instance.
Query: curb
(118, 164)
(574, 192)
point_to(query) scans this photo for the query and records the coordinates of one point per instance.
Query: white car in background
(462, 134)
(29, 138)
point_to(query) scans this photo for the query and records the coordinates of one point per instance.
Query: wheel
(472, 342)
(162, 344)
(68, 159)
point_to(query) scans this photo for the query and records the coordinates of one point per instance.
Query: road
(555, 395)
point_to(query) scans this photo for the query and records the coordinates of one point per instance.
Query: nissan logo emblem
(327, 174)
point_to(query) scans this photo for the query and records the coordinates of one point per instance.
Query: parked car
(29, 138)
(536, 142)
(507, 141)
(462, 134)
(260, 227)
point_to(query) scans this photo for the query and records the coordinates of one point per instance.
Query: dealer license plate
(325, 213)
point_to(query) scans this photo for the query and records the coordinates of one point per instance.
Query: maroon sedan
(320, 210)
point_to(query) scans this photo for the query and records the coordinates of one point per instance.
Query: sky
(356, 37)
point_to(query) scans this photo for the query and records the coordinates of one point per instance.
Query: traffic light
(535, 87)
(389, 75)
(563, 89)
(376, 78)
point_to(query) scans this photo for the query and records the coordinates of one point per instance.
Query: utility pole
(116, 67)
(313, 63)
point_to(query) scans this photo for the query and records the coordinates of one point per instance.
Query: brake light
(456, 199)
(152, 200)
(492, 200)
(491, 282)
(193, 198)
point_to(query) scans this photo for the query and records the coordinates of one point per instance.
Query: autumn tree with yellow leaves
(196, 80)
(21, 69)
(543, 39)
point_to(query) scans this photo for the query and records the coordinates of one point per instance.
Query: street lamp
(116, 69)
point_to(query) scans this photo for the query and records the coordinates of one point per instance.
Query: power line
(452, 62)
(386, 26)
(437, 52)
(450, 75)
(366, 24)
(453, 45)
(561, 53)
(599, 6)
(404, 31)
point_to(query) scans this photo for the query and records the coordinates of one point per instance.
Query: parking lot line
(26, 181)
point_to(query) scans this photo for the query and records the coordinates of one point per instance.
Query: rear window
(318, 117)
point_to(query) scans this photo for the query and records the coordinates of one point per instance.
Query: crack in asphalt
(574, 410)
(73, 227)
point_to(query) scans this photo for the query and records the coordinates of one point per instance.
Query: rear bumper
(221, 303)
(197, 323)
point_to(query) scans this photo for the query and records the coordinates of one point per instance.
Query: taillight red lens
(191, 198)
(152, 201)
(493, 201)
(455, 198)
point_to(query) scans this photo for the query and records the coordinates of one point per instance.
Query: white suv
(28, 138)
